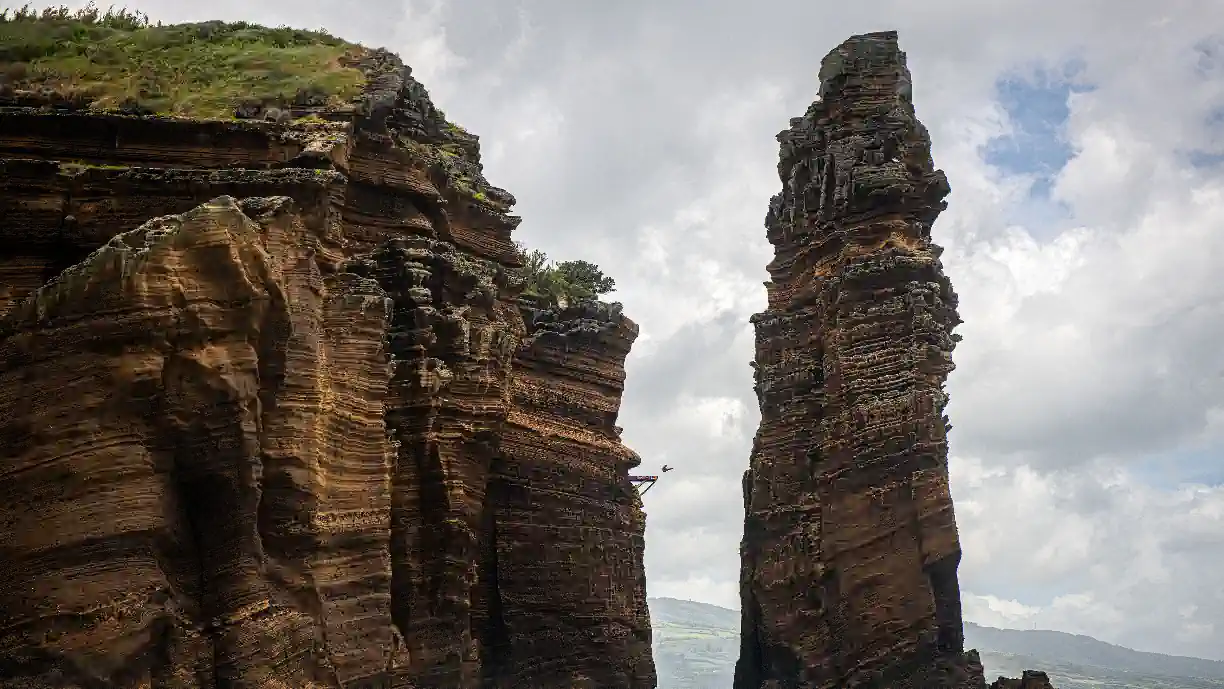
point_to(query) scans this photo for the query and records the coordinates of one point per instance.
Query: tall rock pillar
(850, 546)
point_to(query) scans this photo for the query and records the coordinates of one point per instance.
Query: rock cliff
(271, 414)
(576, 597)
(850, 549)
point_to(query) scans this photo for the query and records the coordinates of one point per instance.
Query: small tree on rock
(585, 279)
(562, 283)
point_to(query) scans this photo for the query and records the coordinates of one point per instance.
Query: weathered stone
(452, 340)
(272, 441)
(1032, 679)
(574, 603)
(850, 550)
(174, 507)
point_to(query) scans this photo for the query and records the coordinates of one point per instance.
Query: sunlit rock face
(177, 508)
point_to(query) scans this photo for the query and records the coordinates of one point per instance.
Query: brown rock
(271, 441)
(452, 340)
(850, 546)
(174, 509)
(571, 586)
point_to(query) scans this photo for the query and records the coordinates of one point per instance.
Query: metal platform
(647, 481)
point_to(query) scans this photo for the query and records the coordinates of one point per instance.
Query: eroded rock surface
(271, 440)
(574, 602)
(850, 550)
(195, 478)
(452, 340)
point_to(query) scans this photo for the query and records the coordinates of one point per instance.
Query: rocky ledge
(850, 549)
(271, 413)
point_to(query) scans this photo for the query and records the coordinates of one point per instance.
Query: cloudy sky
(1084, 140)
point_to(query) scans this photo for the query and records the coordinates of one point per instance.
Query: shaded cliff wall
(574, 602)
(283, 553)
(850, 546)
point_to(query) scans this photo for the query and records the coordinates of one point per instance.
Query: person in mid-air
(666, 468)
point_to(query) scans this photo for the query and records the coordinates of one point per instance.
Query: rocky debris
(589, 320)
(850, 549)
(1032, 679)
(280, 435)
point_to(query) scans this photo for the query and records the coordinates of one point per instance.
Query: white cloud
(1094, 552)
(713, 417)
(420, 33)
(993, 611)
(716, 592)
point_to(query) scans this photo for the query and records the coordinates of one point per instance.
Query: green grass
(198, 70)
(76, 167)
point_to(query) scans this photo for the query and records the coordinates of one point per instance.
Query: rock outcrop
(260, 418)
(1032, 679)
(850, 550)
(574, 602)
(175, 508)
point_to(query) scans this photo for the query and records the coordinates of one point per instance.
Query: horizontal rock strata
(574, 603)
(265, 439)
(196, 465)
(452, 341)
(850, 550)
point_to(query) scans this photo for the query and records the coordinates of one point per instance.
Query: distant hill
(1061, 647)
(696, 646)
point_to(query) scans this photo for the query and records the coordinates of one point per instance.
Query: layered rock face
(273, 436)
(850, 550)
(574, 602)
(176, 510)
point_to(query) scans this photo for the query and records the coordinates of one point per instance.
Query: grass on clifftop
(199, 70)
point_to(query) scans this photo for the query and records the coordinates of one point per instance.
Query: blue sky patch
(1035, 100)
(1169, 471)
(1202, 159)
(1036, 103)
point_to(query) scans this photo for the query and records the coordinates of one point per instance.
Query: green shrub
(560, 284)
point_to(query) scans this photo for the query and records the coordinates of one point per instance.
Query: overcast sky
(1084, 141)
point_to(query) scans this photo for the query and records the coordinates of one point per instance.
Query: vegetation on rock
(564, 283)
(117, 59)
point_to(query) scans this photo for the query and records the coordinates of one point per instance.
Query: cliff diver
(666, 468)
